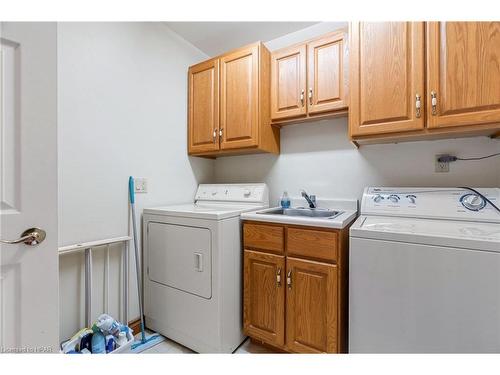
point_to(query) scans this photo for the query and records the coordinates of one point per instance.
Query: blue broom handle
(131, 189)
(137, 258)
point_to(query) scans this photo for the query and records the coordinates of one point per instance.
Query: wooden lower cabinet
(264, 297)
(311, 306)
(296, 302)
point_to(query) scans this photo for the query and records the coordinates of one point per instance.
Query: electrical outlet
(141, 185)
(441, 167)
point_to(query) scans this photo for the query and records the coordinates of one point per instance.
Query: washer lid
(202, 211)
(463, 234)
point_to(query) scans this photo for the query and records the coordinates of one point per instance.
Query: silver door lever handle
(31, 237)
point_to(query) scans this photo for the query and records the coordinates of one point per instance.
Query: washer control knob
(377, 198)
(411, 198)
(247, 192)
(472, 202)
(394, 198)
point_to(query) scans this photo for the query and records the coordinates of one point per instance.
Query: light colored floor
(171, 347)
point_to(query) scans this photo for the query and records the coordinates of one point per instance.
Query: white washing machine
(424, 272)
(193, 266)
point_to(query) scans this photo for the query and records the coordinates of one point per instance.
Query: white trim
(85, 245)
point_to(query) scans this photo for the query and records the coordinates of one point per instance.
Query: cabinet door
(264, 297)
(203, 108)
(240, 98)
(386, 76)
(311, 315)
(327, 73)
(288, 83)
(463, 70)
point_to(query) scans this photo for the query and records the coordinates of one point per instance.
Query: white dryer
(424, 273)
(193, 266)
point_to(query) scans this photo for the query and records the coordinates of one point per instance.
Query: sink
(318, 213)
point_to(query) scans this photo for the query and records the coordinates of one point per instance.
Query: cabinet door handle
(278, 278)
(418, 104)
(220, 134)
(434, 102)
(310, 95)
(289, 279)
(302, 98)
(215, 135)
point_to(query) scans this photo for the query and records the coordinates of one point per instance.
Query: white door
(29, 311)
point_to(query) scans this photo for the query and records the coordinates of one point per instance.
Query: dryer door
(181, 257)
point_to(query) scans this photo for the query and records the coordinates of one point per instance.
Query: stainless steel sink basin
(318, 213)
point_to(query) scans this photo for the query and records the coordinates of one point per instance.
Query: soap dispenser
(285, 200)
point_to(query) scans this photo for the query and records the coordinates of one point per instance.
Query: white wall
(122, 111)
(318, 157)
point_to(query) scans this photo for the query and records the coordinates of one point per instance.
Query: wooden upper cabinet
(240, 98)
(203, 106)
(463, 70)
(311, 314)
(288, 82)
(229, 97)
(264, 297)
(310, 79)
(327, 73)
(386, 77)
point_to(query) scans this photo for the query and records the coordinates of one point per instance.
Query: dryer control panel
(438, 203)
(251, 193)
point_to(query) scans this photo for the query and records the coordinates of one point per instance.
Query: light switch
(141, 185)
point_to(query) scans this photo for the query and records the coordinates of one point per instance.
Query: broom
(144, 342)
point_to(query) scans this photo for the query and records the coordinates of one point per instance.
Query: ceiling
(214, 38)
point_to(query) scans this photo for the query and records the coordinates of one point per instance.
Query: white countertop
(348, 209)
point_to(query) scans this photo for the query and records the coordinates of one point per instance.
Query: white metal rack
(88, 247)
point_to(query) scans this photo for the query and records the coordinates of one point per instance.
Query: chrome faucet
(311, 199)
